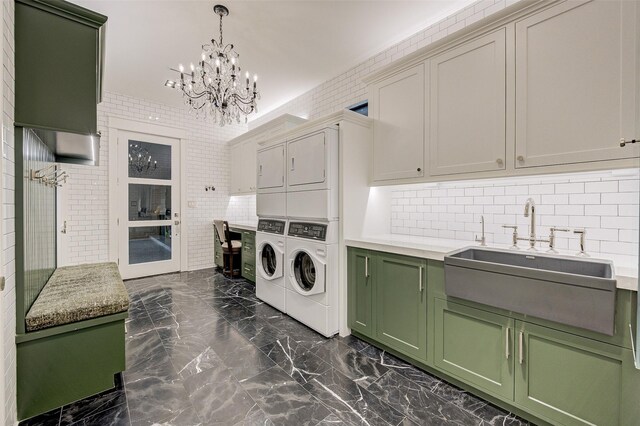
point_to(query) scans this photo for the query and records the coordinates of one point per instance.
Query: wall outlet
(192, 204)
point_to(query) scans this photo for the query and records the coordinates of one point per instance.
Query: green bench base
(63, 364)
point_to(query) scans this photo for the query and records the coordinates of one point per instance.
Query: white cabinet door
(249, 162)
(306, 162)
(398, 107)
(237, 152)
(468, 107)
(576, 83)
(270, 168)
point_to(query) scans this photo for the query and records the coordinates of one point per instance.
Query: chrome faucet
(530, 211)
(482, 240)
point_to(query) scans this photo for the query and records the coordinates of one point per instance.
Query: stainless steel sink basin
(573, 291)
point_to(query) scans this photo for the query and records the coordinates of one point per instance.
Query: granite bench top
(77, 293)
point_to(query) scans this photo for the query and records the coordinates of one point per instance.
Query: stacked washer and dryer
(297, 238)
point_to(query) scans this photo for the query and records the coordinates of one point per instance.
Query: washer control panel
(313, 231)
(271, 226)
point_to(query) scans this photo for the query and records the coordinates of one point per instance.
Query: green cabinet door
(475, 346)
(57, 63)
(249, 255)
(360, 290)
(400, 312)
(569, 380)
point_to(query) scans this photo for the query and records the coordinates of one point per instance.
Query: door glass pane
(149, 160)
(149, 244)
(149, 202)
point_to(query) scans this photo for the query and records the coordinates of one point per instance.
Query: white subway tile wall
(206, 163)
(604, 203)
(8, 226)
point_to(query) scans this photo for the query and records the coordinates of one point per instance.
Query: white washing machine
(270, 262)
(312, 277)
(312, 175)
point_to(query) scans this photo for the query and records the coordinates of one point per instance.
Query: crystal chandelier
(214, 85)
(140, 159)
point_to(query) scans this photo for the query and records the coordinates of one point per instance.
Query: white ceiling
(292, 45)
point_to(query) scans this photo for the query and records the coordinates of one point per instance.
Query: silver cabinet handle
(520, 158)
(366, 267)
(420, 278)
(260, 172)
(500, 161)
(507, 332)
(520, 348)
(293, 163)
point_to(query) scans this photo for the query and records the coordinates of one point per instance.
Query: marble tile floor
(203, 350)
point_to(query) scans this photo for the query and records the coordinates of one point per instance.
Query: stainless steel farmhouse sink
(573, 291)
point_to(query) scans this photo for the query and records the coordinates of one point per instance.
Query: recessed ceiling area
(292, 45)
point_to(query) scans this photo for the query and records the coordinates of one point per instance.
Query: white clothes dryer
(270, 262)
(312, 277)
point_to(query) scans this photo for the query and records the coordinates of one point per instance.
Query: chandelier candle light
(140, 159)
(214, 86)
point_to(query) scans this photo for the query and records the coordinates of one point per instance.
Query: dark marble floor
(202, 350)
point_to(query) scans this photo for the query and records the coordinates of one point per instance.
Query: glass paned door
(149, 190)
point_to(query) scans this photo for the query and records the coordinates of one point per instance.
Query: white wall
(604, 203)
(9, 237)
(207, 164)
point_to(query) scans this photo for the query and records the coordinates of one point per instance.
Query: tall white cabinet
(468, 107)
(398, 109)
(576, 94)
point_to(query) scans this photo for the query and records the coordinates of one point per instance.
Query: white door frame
(117, 124)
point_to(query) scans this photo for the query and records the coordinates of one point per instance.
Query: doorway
(148, 201)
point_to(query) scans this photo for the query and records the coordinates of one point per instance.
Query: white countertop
(247, 226)
(436, 248)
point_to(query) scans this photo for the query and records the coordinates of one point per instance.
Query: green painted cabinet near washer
(400, 307)
(388, 300)
(547, 372)
(249, 255)
(475, 346)
(360, 291)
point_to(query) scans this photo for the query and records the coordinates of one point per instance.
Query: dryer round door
(270, 260)
(307, 273)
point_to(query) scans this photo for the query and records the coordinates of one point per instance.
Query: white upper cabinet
(270, 169)
(576, 83)
(398, 109)
(243, 168)
(306, 163)
(237, 152)
(468, 107)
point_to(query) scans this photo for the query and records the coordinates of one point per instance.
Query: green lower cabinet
(475, 346)
(400, 311)
(569, 380)
(360, 291)
(249, 255)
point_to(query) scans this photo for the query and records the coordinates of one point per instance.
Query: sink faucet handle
(514, 239)
(552, 237)
(483, 239)
(583, 233)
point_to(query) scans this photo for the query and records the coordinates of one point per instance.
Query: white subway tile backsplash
(579, 200)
